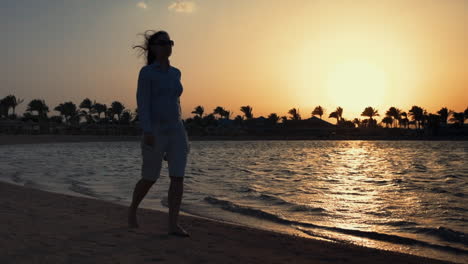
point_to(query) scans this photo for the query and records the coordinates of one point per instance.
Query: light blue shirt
(157, 96)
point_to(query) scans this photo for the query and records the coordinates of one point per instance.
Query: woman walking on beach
(164, 135)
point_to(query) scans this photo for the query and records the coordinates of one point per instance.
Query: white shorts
(170, 141)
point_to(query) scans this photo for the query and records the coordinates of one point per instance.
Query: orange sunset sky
(272, 55)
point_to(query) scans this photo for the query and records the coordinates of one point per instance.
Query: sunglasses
(163, 42)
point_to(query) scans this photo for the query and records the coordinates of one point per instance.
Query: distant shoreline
(32, 139)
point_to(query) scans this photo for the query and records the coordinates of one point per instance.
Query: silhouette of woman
(164, 135)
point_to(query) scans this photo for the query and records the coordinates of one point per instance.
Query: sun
(354, 85)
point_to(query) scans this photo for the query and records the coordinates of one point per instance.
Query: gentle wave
(385, 238)
(246, 210)
(290, 206)
(443, 233)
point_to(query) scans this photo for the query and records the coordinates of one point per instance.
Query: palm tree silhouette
(458, 118)
(68, 110)
(12, 101)
(199, 111)
(39, 106)
(335, 114)
(247, 110)
(294, 114)
(117, 109)
(227, 114)
(403, 120)
(273, 118)
(339, 112)
(219, 111)
(99, 108)
(388, 121)
(318, 110)
(417, 114)
(357, 122)
(3, 108)
(394, 114)
(86, 104)
(284, 119)
(109, 114)
(370, 112)
(126, 116)
(444, 114)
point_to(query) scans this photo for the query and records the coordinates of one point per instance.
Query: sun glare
(355, 85)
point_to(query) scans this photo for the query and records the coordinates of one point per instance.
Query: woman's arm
(144, 101)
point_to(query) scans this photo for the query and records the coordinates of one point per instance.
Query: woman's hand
(148, 139)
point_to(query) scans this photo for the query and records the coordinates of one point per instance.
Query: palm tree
(284, 119)
(388, 120)
(370, 112)
(458, 118)
(39, 106)
(126, 116)
(403, 120)
(6, 105)
(12, 102)
(109, 115)
(219, 111)
(294, 114)
(339, 112)
(335, 114)
(417, 114)
(247, 110)
(466, 113)
(273, 118)
(226, 114)
(100, 108)
(318, 111)
(357, 122)
(59, 108)
(3, 108)
(433, 122)
(395, 114)
(426, 117)
(117, 109)
(444, 114)
(87, 104)
(68, 110)
(199, 111)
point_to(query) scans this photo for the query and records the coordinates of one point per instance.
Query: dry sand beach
(44, 227)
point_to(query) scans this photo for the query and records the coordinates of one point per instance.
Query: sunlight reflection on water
(413, 189)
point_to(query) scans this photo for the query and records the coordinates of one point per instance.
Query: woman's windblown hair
(150, 36)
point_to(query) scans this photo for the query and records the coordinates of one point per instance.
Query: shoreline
(45, 227)
(48, 138)
(30, 205)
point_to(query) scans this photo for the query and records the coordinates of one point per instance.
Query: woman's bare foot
(178, 231)
(132, 220)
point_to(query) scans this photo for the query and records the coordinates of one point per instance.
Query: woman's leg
(177, 160)
(141, 189)
(176, 190)
(150, 170)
